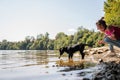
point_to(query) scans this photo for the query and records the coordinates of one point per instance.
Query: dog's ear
(61, 51)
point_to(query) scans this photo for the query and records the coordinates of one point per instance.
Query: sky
(21, 18)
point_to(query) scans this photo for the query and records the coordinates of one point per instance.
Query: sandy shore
(95, 54)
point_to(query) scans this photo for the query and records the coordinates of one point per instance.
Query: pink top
(113, 30)
(110, 31)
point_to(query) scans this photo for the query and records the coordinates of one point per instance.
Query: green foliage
(112, 12)
(42, 42)
(61, 40)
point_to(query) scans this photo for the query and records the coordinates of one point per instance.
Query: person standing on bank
(112, 34)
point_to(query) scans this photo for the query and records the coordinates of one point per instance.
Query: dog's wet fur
(70, 50)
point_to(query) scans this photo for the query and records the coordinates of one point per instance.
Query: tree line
(43, 42)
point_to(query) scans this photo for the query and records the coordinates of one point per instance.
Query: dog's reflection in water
(70, 64)
(74, 65)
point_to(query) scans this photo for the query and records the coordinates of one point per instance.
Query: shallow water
(38, 65)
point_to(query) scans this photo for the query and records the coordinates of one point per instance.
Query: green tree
(4, 44)
(112, 12)
(50, 45)
(60, 40)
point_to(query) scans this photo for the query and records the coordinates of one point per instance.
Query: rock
(86, 79)
(100, 60)
(93, 52)
(63, 74)
(109, 71)
(82, 74)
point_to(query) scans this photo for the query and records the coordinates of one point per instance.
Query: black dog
(71, 50)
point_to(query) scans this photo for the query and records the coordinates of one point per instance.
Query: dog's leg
(81, 51)
(70, 57)
(83, 55)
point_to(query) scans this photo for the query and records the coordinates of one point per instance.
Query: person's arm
(102, 41)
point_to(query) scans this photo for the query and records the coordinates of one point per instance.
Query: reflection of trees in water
(41, 57)
(22, 58)
(36, 56)
(3, 59)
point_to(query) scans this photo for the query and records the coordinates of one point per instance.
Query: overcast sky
(21, 18)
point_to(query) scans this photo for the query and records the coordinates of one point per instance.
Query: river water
(38, 65)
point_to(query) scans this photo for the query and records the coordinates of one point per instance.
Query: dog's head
(62, 50)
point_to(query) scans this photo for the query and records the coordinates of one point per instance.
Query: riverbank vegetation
(43, 42)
